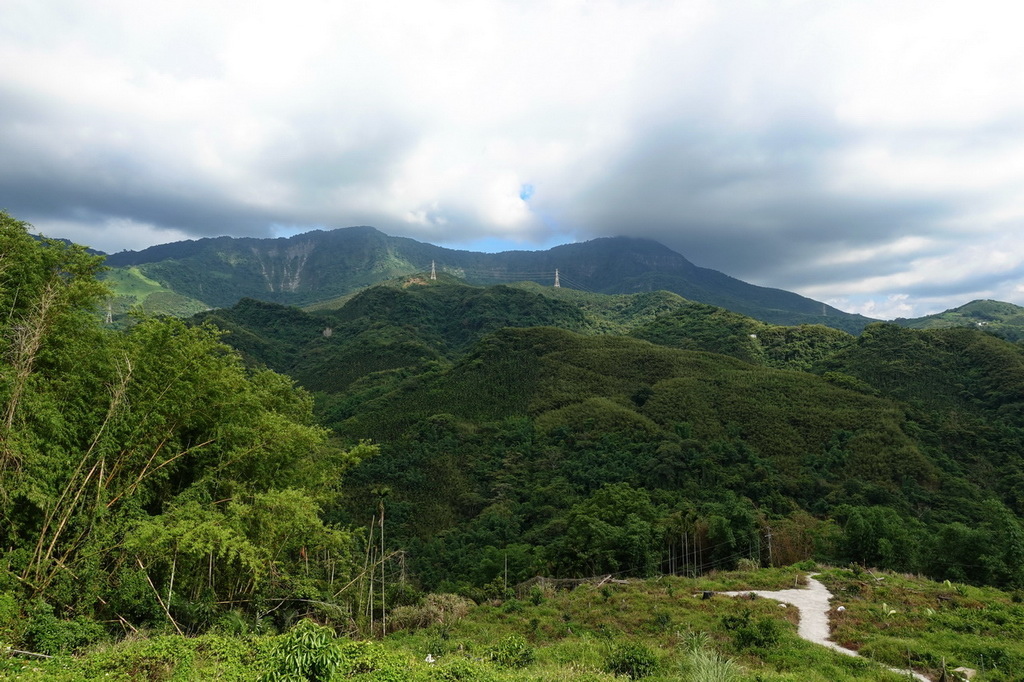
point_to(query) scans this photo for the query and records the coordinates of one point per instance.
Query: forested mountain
(321, 266)
(574, 439)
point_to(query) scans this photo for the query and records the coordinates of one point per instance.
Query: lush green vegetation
(703, 327)
(147, 479)
(659, 630)
(1005, 320)
(155, 481)
(133, 291)
(569, 454)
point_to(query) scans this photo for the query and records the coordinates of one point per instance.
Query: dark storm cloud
(756, 205)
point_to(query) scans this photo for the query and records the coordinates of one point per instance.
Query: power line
(539, 276)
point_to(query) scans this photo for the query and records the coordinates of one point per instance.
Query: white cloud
(889, 308)
(111, 235)
(868, 149)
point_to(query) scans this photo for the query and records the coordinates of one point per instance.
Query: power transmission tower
(557, 285)
(433, 271)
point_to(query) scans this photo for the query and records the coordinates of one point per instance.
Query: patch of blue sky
(279, 230)
(491, 244)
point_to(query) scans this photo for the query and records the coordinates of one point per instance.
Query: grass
(662, 626)
(131, 288)
(895, 618)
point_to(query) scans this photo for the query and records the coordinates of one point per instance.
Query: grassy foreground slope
(659, 630)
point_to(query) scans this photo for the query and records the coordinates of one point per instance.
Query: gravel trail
(812, 602)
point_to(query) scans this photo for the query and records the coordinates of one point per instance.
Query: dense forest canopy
(712, 430)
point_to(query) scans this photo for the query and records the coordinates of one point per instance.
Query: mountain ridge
(316, 266)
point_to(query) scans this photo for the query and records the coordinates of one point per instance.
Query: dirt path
(812, 602)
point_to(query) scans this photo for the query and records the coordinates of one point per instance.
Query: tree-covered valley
(231, 474)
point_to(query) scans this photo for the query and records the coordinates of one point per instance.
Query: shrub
(11, 621)
(633, 660)
(707, 665)
(748, 633)
(512, 652)
(662, 621)
(436, 609)
(307, 652)
(363, 657)
(47, 634)
(512, 606)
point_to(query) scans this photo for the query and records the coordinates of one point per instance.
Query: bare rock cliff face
(283, 268)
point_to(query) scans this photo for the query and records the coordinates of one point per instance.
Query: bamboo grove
(146, 476)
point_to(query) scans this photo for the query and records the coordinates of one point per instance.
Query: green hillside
(703, 327)
(530, 411)
(538, 429)
(1005, 320)
(133, 290)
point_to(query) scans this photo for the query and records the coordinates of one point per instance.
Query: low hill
(406, 324)
(702, 327)
(135, 291)
(538, 427)
(1005, 320)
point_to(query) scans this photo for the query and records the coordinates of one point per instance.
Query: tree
(147, 473)
(613, 531)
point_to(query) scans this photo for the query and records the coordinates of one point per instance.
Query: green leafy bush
(512, 652)
(632, 660)
(748, 633)
(48, 634)
(307, 652)
(11, 622)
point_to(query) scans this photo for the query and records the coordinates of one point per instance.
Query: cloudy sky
(865, 153)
